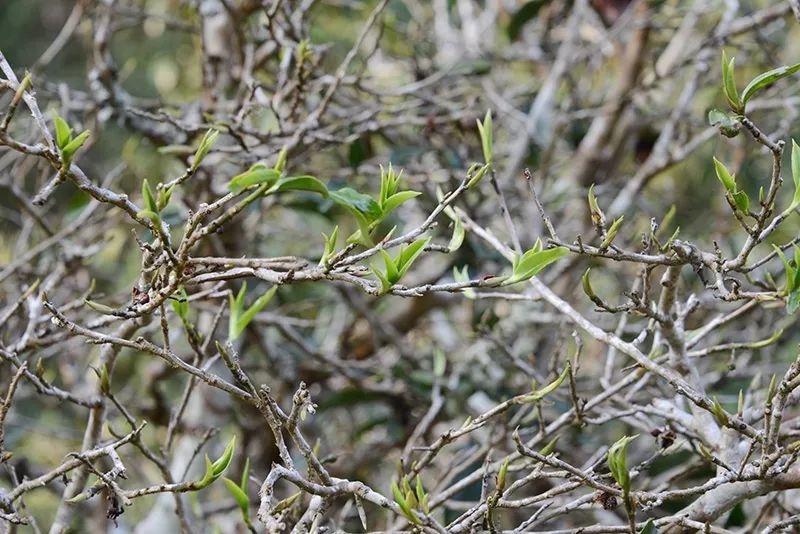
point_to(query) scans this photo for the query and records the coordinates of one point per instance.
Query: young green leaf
(719, 413)
(299, 183)
(205, 145)
(215, 469)
(396, 199)
(256, 175)
(539, 394)
(795, 174)
(550, 447)
(485, 131)
(63, 131)
(180, 304)
(766, 79)
(729, 84)
(741, 201)
(462, 277)
(239, 496)
(476, 174)
(280, 163)
(239, 317)
(357, 202)
(598, 217)
(148, 197)
(458, 236)
(502, 475)
(740, 198)
(618, 464)
(791, 272)
(409, 253)
(69, 150)
(612, 232)
(164, 196)
(533, 261)
(330, 246)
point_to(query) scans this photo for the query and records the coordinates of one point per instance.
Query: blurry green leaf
(766, 79)
(649, 527)
(256, 175)
(439, 362)
(521, 16)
